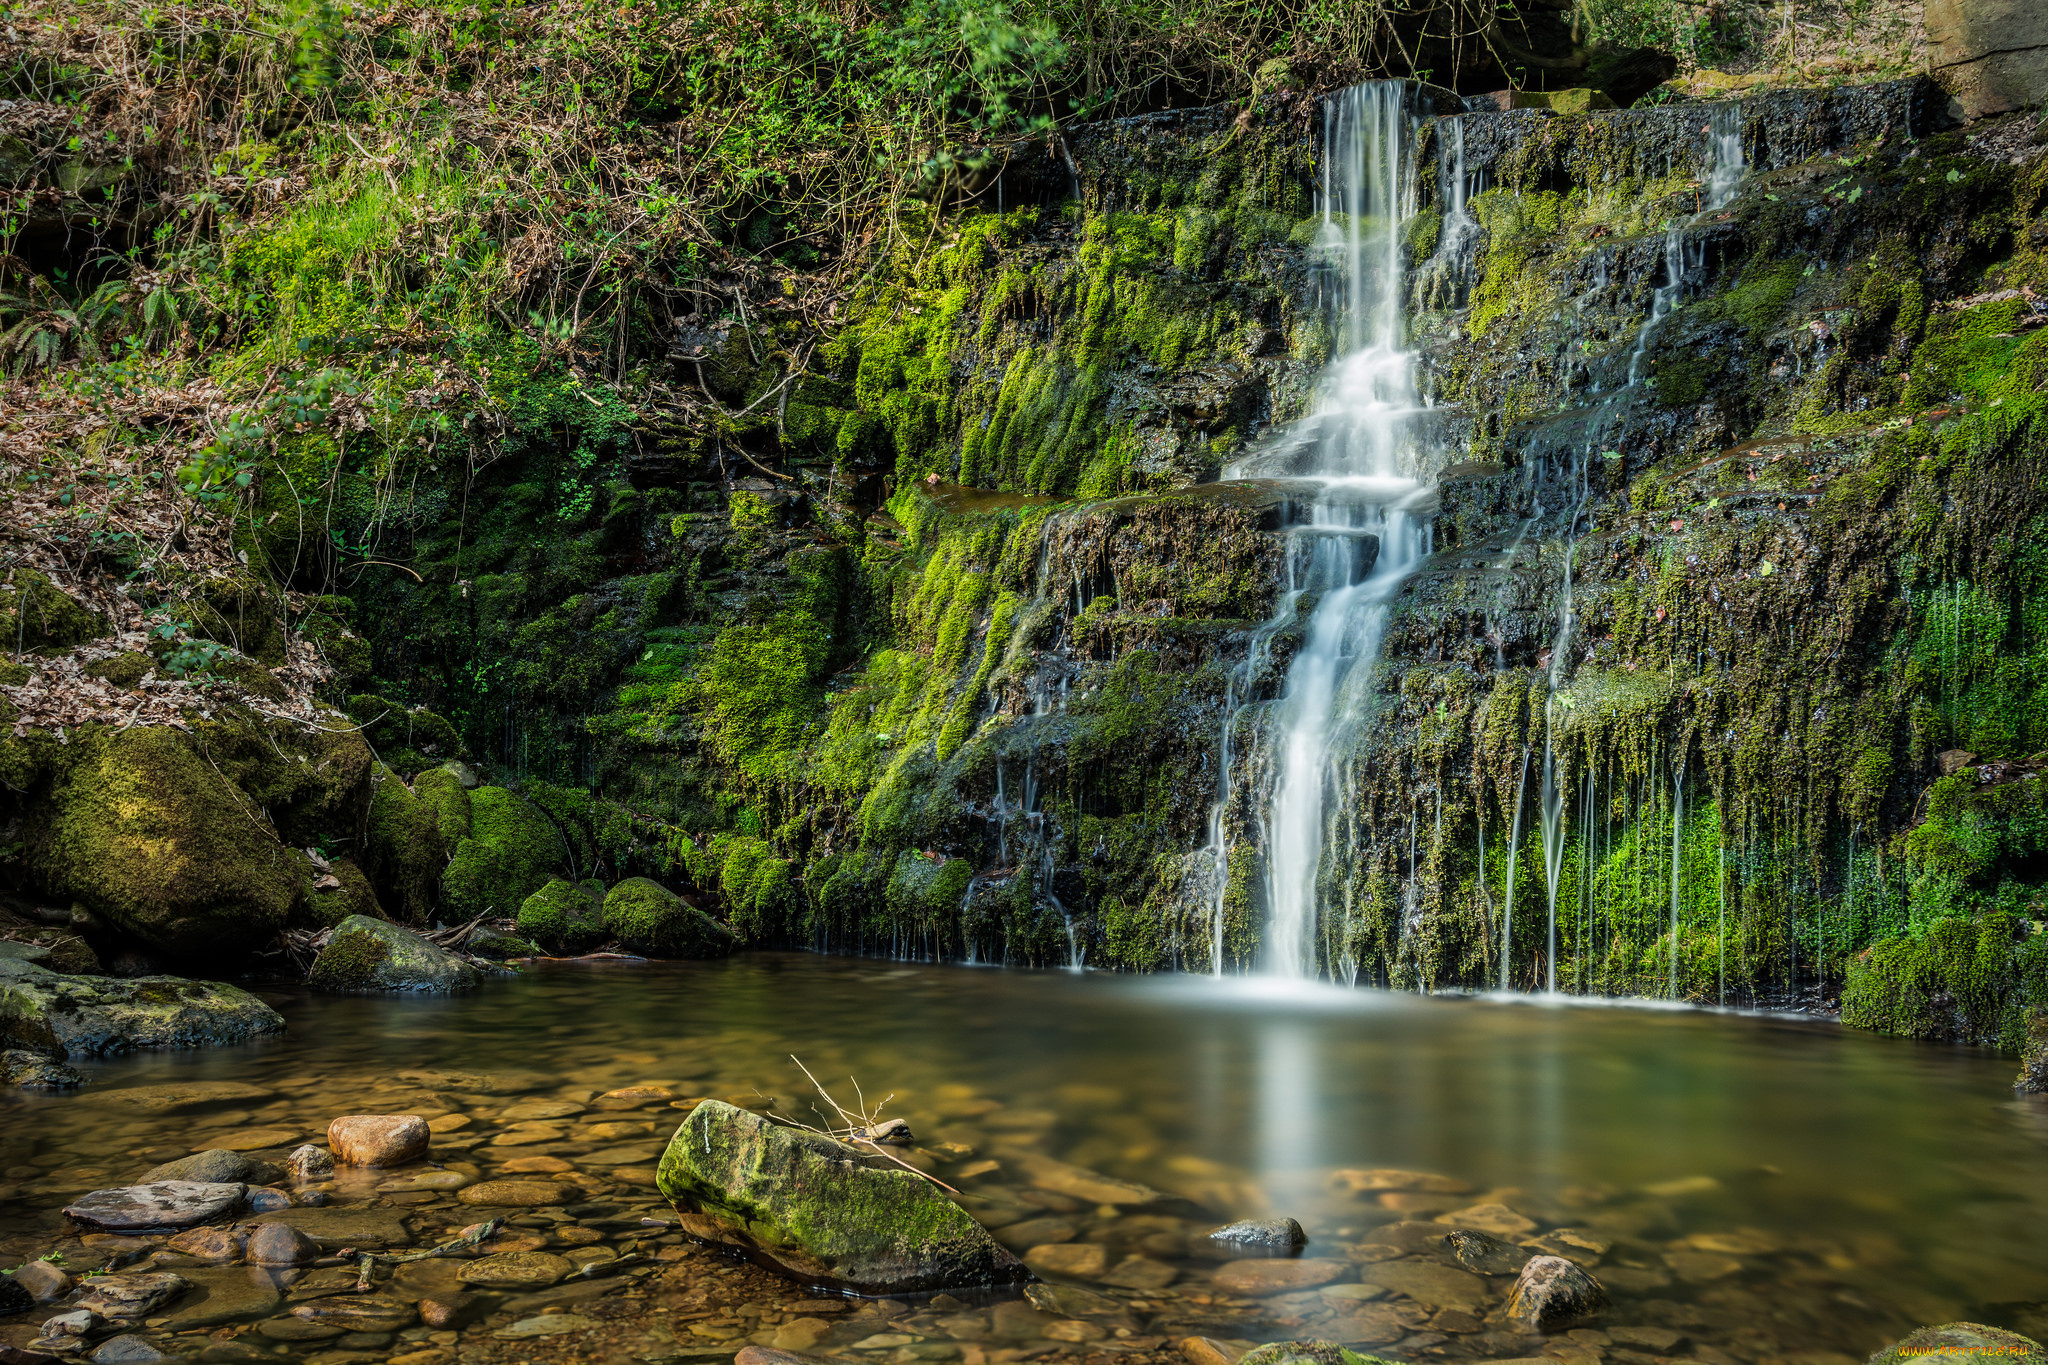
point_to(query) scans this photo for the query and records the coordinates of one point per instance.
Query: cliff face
(967, 664)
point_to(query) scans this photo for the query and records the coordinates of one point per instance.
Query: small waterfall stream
(1361, 537)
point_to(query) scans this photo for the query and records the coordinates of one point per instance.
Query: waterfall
(1724, 171)
(1360, 540)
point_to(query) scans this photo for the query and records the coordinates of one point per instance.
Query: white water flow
(1724, 171)
(1360, 540)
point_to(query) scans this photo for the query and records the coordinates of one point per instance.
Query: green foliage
(1955, 981)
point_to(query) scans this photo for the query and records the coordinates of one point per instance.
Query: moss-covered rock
(443, 791)
(403, 853)
(647, 917)
(80, 1016)
(564, 917)
(372, 955)
(1963, 1343)
(37, 614)
(334, 893)
(517, 850)
(408, 739)
(821, 1211)
(149, 834)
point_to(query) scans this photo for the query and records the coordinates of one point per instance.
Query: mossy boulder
(334, 893)
(647, 917)
(1309, 1353)
(403, 852)
(1963, 1343)
(37, 614)
(565, 917)
(96, 1016)
(443, 791)
(146, 832)
(365, 955)
(823, 1212)
(513, 850)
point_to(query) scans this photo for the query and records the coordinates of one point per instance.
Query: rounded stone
(515, 1193)
(359, 1313)
(516, 1270)
(1255, 1278)
(280, 1244)
(378, 1139)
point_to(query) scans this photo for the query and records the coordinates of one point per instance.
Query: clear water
(1864, 1185)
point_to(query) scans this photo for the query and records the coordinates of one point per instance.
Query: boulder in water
(1552, 1294)
(564, 917)
(647, 917)
(97, 1016)
(365, 955)
(820, 1211)
(1964, 1343)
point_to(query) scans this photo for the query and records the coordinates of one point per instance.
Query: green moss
(403, 851)
(349, 962)
(149, 833)
(563, 917)
(1954, 982)
(646, 917)
(36, 614)
(443, 793)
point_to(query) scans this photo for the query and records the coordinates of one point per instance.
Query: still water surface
(1867, 1184)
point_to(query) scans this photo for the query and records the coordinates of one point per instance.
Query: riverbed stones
(280, 1244)
(1429, 1284)
(819, 1210)
(1483, 1254)
(309, 1163)
(358, 1313)
(368, 955)
(518, 1270)
(378, 1139)
(130, 1298)
(1552, 1294)
(210, 1243)
(44, 1282)
(98, 1016)
(157, 1207)
(1963, 1343)
(215, 1166)
(1274, 1236)
(1257, 1278)
(1077, 1260)
(515, 1193)
(1498, 1219)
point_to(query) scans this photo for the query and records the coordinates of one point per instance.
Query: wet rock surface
(80, 1016)
(818, 1209)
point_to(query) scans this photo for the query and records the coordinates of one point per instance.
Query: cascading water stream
(1360, 540)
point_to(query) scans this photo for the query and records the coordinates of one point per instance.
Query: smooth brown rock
(358, 1313)
(1081, 1260)
(280, 1244)
(378, 1139)
(516, 1193)
(517, 1270)
(210, 1244)
(1271, 1276)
